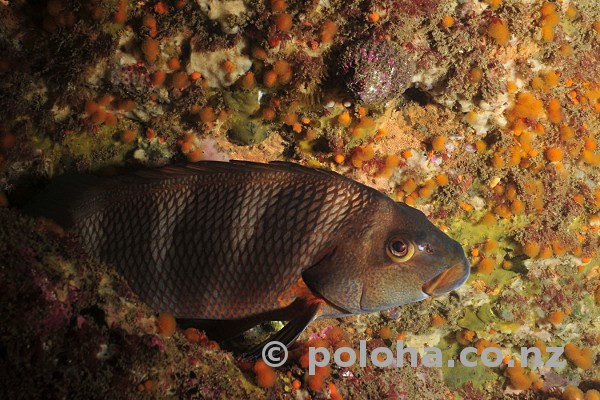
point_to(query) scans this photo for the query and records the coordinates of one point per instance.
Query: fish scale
(245, 242)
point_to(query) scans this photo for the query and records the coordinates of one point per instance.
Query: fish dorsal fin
(233, 166)
(86, 192)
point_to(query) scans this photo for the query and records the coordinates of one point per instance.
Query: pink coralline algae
(132, 79)
(57, 311)
(154, 341)
(375, 71)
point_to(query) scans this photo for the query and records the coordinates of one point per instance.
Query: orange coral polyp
(328, 31)
(229, 66)
(166, 324)
(91, 107)
(385, 333)
(344, 119)
(437, 320)
(281, 67)
(526, 106)
(248, 81)
(158, 78)
(554, 154)
(567, 133)
(179, 80)
(270, 79)
(442, 179)
(121, 14)
(531, 249)
(151, 50)
(490, 245)
(550, 20)
(552, 79)
(547, 9)
(448, 21)
(556, 317)
(518, 378)
(173, 63)
(582, 358)
(590, 144)
(128, 136)
(290, 119)
(438, 143)
(486, 265)
(161, 8)
(517, 207)
(207, 114)
(498, 30)
(278, 5)
(265, 375)
(283, 22)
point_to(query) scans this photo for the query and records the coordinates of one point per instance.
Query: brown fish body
(231, 241)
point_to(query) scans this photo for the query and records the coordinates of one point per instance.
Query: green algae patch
(80, 144)
(244, 130)
(486, 314)
(472, 321)
(244, 102)
(459, 375)
(472, 231)
(499, 277)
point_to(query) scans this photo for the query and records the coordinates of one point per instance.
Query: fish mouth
(448, 280)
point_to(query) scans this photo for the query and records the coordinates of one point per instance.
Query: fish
(239, 243)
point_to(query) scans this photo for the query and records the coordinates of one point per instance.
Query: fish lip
(448, 280)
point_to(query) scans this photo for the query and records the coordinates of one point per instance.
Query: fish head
(396, 257)
(415, 260)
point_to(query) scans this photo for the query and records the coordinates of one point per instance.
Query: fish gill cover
(493, 136)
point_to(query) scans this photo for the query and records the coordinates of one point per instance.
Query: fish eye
(399, 249)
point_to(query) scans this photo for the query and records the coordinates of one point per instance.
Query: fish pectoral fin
(336, 284)
(289, 333)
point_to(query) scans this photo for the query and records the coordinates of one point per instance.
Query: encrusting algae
(490, 126)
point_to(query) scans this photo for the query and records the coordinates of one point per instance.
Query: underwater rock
(213, 67)
(227, 13)
(375, 71)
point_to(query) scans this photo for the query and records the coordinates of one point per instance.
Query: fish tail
(56, 200)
